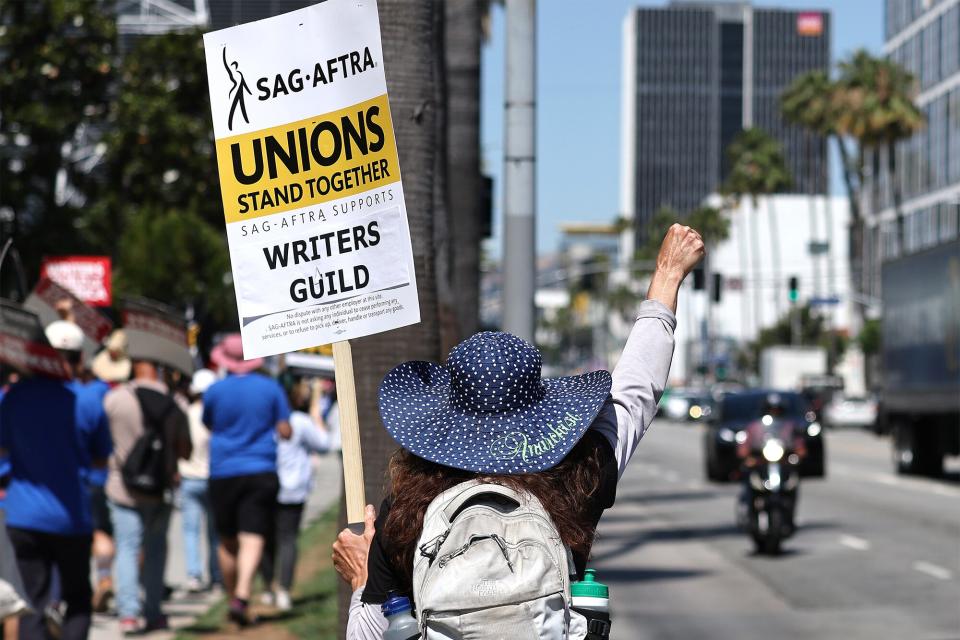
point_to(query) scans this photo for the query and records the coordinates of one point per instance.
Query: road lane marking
(855, 543)
(910, 484)
(933, 570)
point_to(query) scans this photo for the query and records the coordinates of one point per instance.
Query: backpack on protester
(491, 564)
(147, 468)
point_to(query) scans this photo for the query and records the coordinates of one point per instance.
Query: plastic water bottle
(403, 626)
(591, 599)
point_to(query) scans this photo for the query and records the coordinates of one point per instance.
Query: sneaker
(159, 623)
(194, 585)
(283, 600)
(53, 619)
(266, 599)
(102, 594)
(239, 614)
(131, 626)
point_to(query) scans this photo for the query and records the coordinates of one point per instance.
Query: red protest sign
(88, 277)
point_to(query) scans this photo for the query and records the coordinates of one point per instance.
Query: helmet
(773, 405)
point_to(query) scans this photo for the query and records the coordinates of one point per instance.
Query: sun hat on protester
(64, 335)
(487, 410)
(229, 355)
(112, 364)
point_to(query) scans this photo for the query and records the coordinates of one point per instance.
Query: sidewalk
(183, 608)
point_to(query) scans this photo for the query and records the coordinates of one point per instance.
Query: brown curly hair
(563, 490)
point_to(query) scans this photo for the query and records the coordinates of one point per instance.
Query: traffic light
(699, 278)
(717, 287)
(793, 292)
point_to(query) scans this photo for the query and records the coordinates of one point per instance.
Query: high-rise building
(923, 36)
(697, 73)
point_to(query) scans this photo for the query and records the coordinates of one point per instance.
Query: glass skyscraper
(694, 75)
(923, 36)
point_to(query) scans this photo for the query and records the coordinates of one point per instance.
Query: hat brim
(110, 370)
(416, 410)
(220, 358)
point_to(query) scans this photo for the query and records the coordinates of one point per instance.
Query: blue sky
(578, 100)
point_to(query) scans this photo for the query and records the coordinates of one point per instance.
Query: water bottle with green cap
(591, 599)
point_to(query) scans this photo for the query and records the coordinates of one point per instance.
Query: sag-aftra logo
(292, 81)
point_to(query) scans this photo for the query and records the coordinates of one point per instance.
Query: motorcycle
(770, 496)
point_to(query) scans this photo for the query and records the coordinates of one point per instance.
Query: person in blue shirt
(244, 412)
(53, 430)
(295, 470)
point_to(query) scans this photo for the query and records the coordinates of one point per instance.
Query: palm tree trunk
(755, 250)
(462, 53)
(895, 192)
(744, 271)
(775, 255)
(812, 189)
(412, 45)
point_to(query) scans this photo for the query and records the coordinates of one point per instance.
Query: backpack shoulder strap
(474, 490)
(150, 422)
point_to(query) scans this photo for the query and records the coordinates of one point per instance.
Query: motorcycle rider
(773, 423)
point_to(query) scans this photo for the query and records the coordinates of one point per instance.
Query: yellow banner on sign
(310, 161)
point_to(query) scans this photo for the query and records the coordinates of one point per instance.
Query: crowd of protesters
(93, 464)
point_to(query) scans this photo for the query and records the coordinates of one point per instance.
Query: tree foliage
(56, 68)
(158, 189)
(712, 224)
(757, 166)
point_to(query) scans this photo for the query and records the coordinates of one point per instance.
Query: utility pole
(519, 231)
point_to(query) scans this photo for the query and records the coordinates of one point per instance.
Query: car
(843, 412)
(731, 414)
(686, 405)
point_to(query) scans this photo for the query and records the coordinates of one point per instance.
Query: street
(876, 555)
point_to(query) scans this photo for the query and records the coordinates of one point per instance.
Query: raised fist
(680, 251)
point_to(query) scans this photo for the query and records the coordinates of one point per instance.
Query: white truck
(784, 367)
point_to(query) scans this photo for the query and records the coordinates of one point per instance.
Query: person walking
(53, 431)
(295, 471)
(194, 497)
(487, 418)
(245, 411)
(110, 367)
(140, 519)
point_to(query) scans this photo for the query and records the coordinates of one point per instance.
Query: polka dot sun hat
(487, 409)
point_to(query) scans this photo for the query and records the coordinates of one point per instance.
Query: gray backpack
(491, 565)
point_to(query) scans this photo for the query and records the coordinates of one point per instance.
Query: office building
(694, 75)
(924, 38)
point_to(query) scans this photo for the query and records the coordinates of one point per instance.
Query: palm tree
(873, 104)
(757, 167)
(807, 102)
(411, 33)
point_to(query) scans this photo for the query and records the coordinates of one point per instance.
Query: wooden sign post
(349, 433)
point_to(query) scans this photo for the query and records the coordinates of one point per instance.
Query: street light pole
(519, 232)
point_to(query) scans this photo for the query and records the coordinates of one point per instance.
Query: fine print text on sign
(316, 220)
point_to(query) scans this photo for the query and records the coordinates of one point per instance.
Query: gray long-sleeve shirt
(638, 382)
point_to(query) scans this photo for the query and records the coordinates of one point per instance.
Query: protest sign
(23, 344)
(316, 221)
(314, 208)
(43, 301)
(156, 333)
(88, 277)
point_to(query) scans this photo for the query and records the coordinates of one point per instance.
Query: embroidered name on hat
(516, 443)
